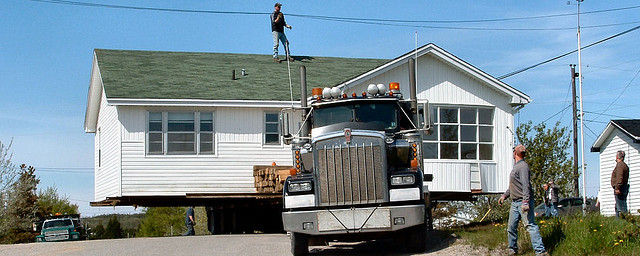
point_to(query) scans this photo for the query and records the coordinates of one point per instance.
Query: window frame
(165, 134)
(264, 128)
(438, 141)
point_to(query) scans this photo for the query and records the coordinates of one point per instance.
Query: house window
(155, 136)
(464, 133)
(99, 148)
(180, 133)
(206, 133)
(271, 129)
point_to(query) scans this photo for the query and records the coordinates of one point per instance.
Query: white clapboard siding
(238, 142)
(443, 84)
(107, 147)
(449, 176)
(619, 141)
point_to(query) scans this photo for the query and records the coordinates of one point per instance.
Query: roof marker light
(394, 86)
(316, 92)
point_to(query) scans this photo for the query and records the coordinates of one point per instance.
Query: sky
(46, 54)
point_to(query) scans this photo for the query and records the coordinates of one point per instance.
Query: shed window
(180, 133)
(464, 133)
(271, 129)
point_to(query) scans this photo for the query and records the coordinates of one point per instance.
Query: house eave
(517, 97)
(94, 95)
(597, 144)
(201, 103)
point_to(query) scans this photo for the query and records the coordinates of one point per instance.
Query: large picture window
(180, 133)
(464, 133)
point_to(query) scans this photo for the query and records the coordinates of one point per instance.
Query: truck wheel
(299, 244)
(416, 238)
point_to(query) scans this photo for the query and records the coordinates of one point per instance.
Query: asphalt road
(259, 244)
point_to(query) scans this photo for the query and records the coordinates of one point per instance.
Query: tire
(416, 239)
(299, 244)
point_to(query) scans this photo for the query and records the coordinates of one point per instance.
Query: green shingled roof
(195, 75)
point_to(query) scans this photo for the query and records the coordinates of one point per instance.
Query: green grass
(573, 235)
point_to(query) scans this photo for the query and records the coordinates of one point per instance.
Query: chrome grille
(353, 173)
(56, 235)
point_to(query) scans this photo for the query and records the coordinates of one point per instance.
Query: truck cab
(357, 160)
(62, 228)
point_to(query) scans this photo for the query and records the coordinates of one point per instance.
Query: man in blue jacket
(521, 195)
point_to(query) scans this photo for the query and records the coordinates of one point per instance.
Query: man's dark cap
(277, 4)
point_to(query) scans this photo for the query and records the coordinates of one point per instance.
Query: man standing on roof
(277, 29)
(521, 195)
(620, 183)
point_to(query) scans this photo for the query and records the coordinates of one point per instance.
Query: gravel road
(259, 244)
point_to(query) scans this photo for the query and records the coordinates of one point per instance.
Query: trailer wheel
(299, 244)
(416, 239)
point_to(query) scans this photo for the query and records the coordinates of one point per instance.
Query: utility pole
(584, 185)
(576, 183)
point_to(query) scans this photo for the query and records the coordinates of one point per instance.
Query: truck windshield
(381, 115)
(57, 223)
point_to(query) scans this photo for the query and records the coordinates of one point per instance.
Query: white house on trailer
(470, 149)
(178, 124)
(619, 135)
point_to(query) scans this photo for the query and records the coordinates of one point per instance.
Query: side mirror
(426, 117)
(284, 127)
(427, 177)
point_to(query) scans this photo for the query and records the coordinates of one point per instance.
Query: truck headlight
(299, 186)
(399, 180)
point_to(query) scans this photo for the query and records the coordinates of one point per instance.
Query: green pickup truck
(63, 228)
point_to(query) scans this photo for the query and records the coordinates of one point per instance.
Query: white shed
(179, 124)
(619, 135)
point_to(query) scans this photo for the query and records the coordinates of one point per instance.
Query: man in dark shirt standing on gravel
(521, 199)
(277, 29)
(620, 184)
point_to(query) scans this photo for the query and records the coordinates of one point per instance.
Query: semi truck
(358, 167)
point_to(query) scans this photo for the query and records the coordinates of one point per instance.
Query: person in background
(190, 221)
(277, 29)
(620, 184)
(521, 194)
(551, 198)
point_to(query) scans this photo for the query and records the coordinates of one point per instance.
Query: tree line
(22, 205)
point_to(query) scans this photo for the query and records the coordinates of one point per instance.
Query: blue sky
(46, 54)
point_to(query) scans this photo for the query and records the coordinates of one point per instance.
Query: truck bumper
(354, 220)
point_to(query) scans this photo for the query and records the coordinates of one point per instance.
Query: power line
(371, 21)
(620, 94)
(611, 115)
(563, 55)
(589, 129)
(469, 28)
(60, 171)
(557, 113)
(65, 168)
(595, 121)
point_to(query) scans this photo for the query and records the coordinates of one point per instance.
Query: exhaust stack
(303, 100)
(413, 89)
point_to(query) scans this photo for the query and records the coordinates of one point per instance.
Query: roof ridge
(229, 53)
